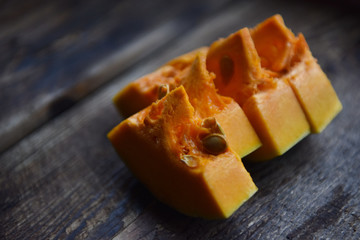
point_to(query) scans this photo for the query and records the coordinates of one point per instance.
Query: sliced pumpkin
(190, 70)
(291, 58)
(144, 91)
(183, 139)
(175, 153)
(199, 85)
(268, 101)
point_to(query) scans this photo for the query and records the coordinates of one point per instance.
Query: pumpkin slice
(190, 70)
(291, 58)
(174, 153)
(199, 85)
(268, 102)
(144, 91)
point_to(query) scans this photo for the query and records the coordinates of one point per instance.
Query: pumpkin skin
(268, 101)
(153, 143)
(141, 93)
(293, 62)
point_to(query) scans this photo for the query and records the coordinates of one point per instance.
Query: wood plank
(65, 180)
(55, 53)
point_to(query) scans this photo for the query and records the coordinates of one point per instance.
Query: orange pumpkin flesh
(199, 85)
(268, 81)
(190, 71)
(291, 58)
(268, 102)
(153, 143)
(315, 93)
(144, 91)
(274, 43)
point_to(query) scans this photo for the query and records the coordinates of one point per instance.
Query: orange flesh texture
(278, 119)
(274, 43)
(199, 85)
(152, 143)
(268, 102)
(291, 58)
(236, 66)
(315, 93)
(141, 93)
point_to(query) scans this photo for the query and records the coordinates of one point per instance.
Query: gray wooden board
(54, 53)
(64, 180)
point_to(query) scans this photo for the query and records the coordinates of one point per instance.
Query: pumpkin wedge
(268, 101)
(291, 58)
(190, 70)
(183, 162)
(199, 85)
(144, 91)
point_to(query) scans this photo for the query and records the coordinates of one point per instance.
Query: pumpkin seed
(163, 90)
(214, 143)
(189, 160)
(213, 125)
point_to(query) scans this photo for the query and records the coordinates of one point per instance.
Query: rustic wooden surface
(62, 61)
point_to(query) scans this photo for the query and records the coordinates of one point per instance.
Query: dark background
(62, 61)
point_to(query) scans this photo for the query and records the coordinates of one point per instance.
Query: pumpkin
(255, 93)
(268, 101)
(182, 158)
(291, 58)
(199, 85)
(190, 71)
(144, 91)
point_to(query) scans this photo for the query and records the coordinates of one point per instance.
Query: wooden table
(62, 61)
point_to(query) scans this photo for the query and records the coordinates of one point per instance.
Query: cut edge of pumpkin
(310, 84)
(206, 199)
(254, 87)
(200, 88)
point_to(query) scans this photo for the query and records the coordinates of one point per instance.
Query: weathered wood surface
(64, 180)
(54, 53)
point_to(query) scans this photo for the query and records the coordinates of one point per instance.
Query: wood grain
(64, 180)
(54, 53)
